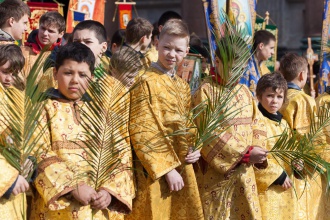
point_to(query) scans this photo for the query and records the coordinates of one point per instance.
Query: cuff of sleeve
(246, 157)
(280, 180)
(10, 190)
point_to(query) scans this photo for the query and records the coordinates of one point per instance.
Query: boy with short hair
(264, 47)
(59, 195)
(276, 195)
(13, 205)
(226, 179)
(298, 111)
(117, 40)
(130, 58)
(166, 182)
(14, 20)
(50, 32)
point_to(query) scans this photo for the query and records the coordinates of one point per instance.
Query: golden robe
(159, 107)
(298, 111)
(62, 159)
(276, 203)
(228, 187)
(263, 69)
(14, 207)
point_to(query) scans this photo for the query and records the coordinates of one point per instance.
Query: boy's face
(6, 76)
(271, 100)
(266, 50)
(88, 38)
(73, 79)
(19, 27)
(171, 51)
(48, 35)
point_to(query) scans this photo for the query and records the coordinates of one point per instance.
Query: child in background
(14, 20)
(130, 58)
(12, 185)
(274, 184)
(59, 195)
(298, 111)
(93, 35)
(166, 182)
(263, 45)
(117, 40)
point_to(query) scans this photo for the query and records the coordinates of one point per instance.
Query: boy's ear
(11, 21)
(261, 46)
(104, 47)
(301, 76)
(60, 35)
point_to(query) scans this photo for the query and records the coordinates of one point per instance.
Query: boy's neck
(136, 46)
(298, 83)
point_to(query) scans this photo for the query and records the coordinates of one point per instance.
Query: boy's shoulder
(299, 96)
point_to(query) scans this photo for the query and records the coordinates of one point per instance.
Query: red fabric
(215, 77)
(246, 157)
(38, 46)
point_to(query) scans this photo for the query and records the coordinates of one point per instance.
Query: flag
(93, 10)
(125, 15)
(325, 60)
(78, 17)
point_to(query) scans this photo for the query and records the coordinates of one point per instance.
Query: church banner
(125, 15)
(242, 13)
(325, 59)
(93, 9)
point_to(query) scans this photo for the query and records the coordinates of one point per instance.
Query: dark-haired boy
(61, 196)
(274, 185)
(264, 48)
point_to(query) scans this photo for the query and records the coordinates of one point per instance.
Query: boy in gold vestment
(277, 197)
(226, 179)
(166, 182)
(12, 202)
(298, 110)
(60, 195)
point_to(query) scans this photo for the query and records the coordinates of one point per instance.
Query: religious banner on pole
(93, 10)
(242, 13)
(125, 15)
(325, 59)
(270, 63)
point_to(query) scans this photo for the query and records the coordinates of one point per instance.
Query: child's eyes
(67, 73)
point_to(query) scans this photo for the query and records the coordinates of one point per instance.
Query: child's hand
(21, 185)
(103, 200)
(287, 183)
(27, 168)
(298, 164)
(174, 180)
(192, 156)
(258, 155)
(84, 194)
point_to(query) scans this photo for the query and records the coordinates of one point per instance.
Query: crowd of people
(119, 135)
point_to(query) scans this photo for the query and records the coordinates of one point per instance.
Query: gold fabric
(263, 69)
(227, 187)
(62, 159)
(159, 107)
(152, 55)
(276, 203)
(14, 207)
(298, 111)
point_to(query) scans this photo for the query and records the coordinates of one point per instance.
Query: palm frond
(21, 109)
(310, 148)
